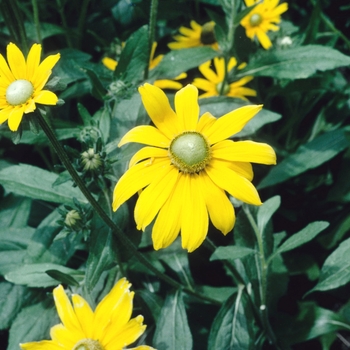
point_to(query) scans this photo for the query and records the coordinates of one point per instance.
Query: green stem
(262, 279)
(36, 20)
(81, 21)
(64, 24)
(151, 31)
(231, 27)
(124, 240)
(224, 82)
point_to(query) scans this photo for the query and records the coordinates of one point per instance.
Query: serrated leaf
(308, 156)
(295, 63)
(172, 330)
(335, 271)
(37, 184)
(231, 253)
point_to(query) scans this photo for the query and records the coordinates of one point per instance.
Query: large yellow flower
(187, 167)
(107, 328)
(195, 36)
(154, 61)
(212, 85)
(22, 82)
(263, 18)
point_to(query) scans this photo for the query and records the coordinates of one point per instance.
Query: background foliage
(281, 278)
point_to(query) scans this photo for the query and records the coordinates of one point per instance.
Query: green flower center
(19, 92)
(207, 34)
(225, 88)
(91, 160)
(255, 19)
(88, 344)
(189, 152)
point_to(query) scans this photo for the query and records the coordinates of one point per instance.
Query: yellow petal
(241, 168)
(147, 152)
(221, 211)
(147, 135)
(158, 108)
(219, 63)
(205, 85)
(167, 84)
(46, 97)
(231, 123)
(43, 72)
(135, 179)
(205, 122)
(155, 195)
(109, 63)
(6, 75)
(15, 118)
(263, 39)
(33, 60)
(4, 114)
(232, 63)
(244, 151)
(208, 73)
(187, 108)
(67, 337)
(41, 345)
(29, 106)
(16, 61)
(194, 218)
(84, 314)
(236, 185)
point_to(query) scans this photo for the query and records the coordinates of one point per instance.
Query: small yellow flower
(22, 82)
(187, 168)
(107, 328)
(263, 18)
(212, 85)
(154, 61)
(195, 36)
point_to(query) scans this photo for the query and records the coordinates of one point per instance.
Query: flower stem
(151, 31)
(64, 23)
(36, 20)
(123, 239)
(81, 21)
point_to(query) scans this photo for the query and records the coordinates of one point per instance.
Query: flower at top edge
(262, 18)
(195, 36)
(109, 327)
(187, 167)
(22, 82)
(154, 61)
(212, 85)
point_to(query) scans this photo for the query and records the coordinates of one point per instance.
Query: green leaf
(305, 235)
(266, 211)
(295, 63)
(97, 89)
(14, 211)
(233, 326)
(220, 105)
(32, 324)
(34, 275)
(63, 277)
(231, 253)
(308, 156)
(30, 181)
(172, 330)
(335, 271)
(134, 57)
(179, 61)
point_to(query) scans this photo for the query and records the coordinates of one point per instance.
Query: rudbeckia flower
(195, 36)
(154, 61)
(187, 167)
(107, 328)
(212, 85)
(22, 82)
(263, 18)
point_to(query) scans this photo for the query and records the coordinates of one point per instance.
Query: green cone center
(224, 87)
(88, 344)
(189, 152)
(207, 34)
(19, 92)
(255, 20)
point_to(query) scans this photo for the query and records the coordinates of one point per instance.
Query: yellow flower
(107, 328)
(22, 82)
(154, 61)
(196, 36)
(263, 18)
(213, 82)
(187, 167)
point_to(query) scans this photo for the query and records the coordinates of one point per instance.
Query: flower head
(263, 18)
(22, 82)
(195, 36)
(107, 328)
(212, 85)
(187, 168)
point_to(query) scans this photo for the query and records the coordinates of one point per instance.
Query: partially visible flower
(187, 168)
(195, 36)
(263, 18)
(22, 82)
(212, 85)
(154, 61)
(91, 160)
(107, 328)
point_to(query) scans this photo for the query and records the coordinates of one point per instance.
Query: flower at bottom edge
(109, 327)
(188, 167)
